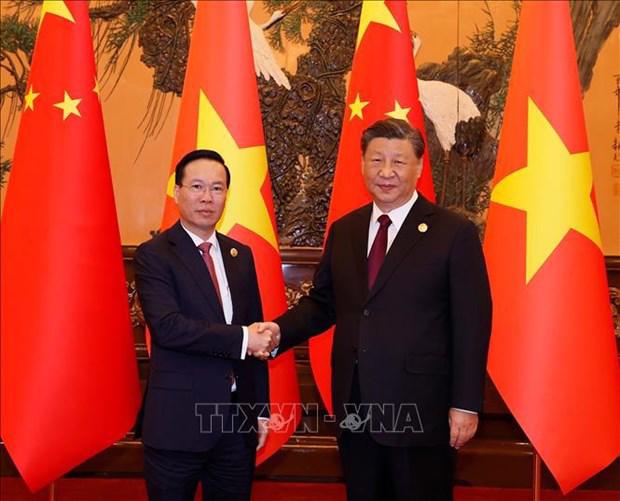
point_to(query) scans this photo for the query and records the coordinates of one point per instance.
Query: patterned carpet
(75, 489)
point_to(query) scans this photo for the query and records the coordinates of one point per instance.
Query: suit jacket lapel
(358, 241)
(184, 248)
(233, 275)
(407, 237)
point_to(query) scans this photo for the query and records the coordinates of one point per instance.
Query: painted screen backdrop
(449, 36)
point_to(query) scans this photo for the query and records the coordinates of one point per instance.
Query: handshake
(263, 338)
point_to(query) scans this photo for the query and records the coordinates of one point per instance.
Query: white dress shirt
(397, 216)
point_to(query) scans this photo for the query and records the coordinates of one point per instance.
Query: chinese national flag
(69, 376)
(383, 84)
(220, 111)
(553, 355)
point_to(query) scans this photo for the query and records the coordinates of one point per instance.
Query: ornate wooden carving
(614, 300)
(164, 39)
(302, 126)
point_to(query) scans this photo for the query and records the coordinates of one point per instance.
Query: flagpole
(52, 496)
(536, 483)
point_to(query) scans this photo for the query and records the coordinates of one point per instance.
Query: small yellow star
(30, 97)
(96, 89)
(69, 106)
(398, 111)
(375, 11)
(357, 106)
(57, 7)
(553, 189)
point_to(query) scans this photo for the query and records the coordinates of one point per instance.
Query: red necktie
(378, 249)
(205, 247)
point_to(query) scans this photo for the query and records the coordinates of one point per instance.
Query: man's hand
(463, 425)
(263, 431)
(275, 333)
(259, 341)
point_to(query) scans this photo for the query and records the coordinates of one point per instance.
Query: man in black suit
(405, 283)
(198, 290)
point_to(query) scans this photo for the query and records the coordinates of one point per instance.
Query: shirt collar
(197, 240)
(398, 215)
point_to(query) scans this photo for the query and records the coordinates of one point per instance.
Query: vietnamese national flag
(220, 111)
(383, 84)
(69, 377)
(552, 355)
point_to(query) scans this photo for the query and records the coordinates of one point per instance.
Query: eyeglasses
(199, 189)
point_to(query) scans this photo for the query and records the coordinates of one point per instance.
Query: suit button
(364, 350)
(366, 313)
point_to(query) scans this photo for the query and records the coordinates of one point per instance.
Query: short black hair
(179, 170)
(394, 128)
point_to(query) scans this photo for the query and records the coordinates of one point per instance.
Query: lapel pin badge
(234, 252)
(423, 227)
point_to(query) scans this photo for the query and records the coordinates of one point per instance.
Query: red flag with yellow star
(220, 111)
(553, 355)
(68, 366)
(383, 84)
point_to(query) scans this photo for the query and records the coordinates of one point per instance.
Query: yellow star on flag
(553, 188)
(69, 106)
(398, 111)
(56, 7)
(357, 106)
(375, 11)
(248, 168)
(29, 98)
(96, 89)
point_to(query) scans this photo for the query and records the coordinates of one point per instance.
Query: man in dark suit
(199, 292)
(405, 283)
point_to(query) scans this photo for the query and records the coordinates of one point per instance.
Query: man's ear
(419, 167)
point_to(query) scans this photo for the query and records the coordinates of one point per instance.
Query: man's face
(391, 171)
(202, 196)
